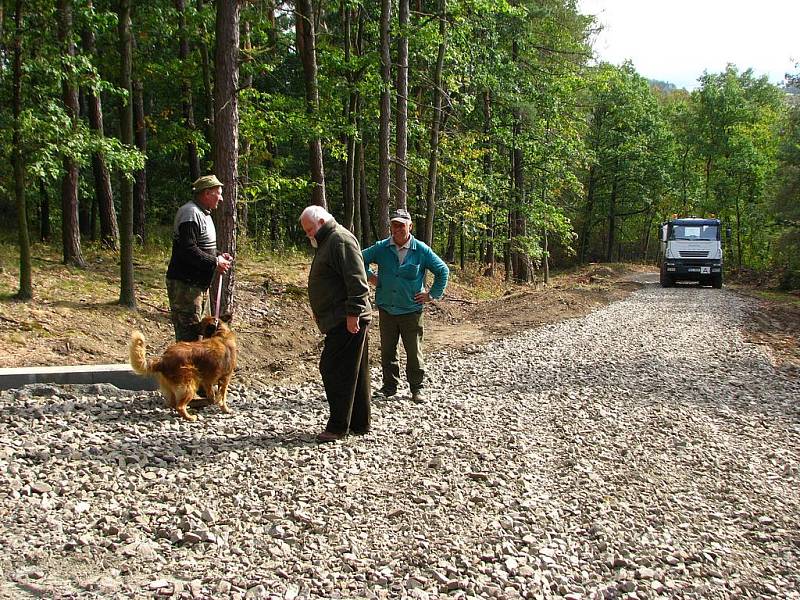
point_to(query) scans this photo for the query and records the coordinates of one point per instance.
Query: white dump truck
(691, 250)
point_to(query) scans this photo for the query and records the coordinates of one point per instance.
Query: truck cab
(691, 250)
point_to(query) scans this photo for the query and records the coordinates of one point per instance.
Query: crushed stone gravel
(643, 451)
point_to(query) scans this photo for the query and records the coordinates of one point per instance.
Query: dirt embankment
(776, 323)
(75, 320)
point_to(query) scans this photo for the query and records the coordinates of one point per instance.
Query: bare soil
(775, 323)
(74, 317)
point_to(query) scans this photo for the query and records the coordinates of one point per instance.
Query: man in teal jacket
(402, 263)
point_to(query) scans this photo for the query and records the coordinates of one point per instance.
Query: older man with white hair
(339, 298)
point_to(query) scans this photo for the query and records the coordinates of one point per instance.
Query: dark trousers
(393, 328)
(344, 367)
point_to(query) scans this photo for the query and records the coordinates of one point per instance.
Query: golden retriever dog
(187, 366)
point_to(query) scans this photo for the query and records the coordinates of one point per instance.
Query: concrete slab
(120, 375)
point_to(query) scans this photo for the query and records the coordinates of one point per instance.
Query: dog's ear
(226, 318)
(196, 329)
(208, 328)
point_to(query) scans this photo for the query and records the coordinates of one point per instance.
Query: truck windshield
(694, 232)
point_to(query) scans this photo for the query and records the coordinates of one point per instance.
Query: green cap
(205, 182)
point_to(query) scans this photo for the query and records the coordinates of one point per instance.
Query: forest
(489, 120)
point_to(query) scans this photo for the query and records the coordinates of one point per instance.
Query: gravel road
(643, 451)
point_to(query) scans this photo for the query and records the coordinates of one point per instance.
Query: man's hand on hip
(422, 297)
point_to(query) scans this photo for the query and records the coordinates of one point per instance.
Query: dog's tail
(138, 354)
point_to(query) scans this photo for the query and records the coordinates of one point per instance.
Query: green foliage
(784, 201)
(734, 130)
(732, 147)
(632, 159)
(47, 133)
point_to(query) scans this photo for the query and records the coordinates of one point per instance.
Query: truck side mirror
(663, 233)
(728, 234)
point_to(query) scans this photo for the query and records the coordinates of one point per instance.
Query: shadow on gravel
(161, 451)
(99, 409)
(109, 433)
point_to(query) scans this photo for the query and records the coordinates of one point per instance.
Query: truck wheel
(716, 281)
(664, 279)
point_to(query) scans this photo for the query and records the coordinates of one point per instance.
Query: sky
(676, 40)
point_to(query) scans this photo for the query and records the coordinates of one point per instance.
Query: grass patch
(778, 296)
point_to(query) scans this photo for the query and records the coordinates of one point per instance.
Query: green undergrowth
(788, 298)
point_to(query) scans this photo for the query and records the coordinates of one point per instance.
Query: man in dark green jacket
(339, 298)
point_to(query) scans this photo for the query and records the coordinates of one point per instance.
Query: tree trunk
(87, 210)
(738, 228)
(586, 229)
(306, 44)
(685, 182)
(462, 244)
(25, 291)
(520, 263)
(487, 172)
(360, 196)
(357, 229)
(205, 61)
(272, 148)
(186, 91)
(243, 219)
(401, 132)
(507, 252)
(226, 138)
(418, 115)
(350, 116)
(274, 229)
(433, 161)
(546, 260)
(69, 183)
(104, 197)
(366, 224)
(450, 249)
(127, 294)
(44, 213)
(384, 196)
(519, 259)
(109, 229)
(139, 176)
(646, 234)
(612, 221)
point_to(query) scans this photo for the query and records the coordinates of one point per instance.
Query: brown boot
(329, 436)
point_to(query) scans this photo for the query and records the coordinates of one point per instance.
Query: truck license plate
(705, 270)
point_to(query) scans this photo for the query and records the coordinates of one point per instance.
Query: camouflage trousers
(187, 305)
